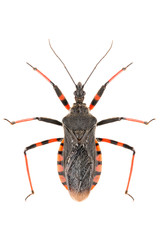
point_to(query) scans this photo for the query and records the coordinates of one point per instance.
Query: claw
(29, 195)
(150, 121)
(9, 121)
(127, 66)
(31, 66)
(126, 192)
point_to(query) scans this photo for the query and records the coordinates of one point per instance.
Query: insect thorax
(79, 118)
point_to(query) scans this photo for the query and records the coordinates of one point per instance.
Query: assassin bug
(79, 159)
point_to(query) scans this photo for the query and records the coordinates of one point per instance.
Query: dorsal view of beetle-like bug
(79, 159)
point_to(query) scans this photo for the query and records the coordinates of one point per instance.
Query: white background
(80, 32)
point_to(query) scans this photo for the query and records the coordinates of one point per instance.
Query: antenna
(98, 63)
(61, 62)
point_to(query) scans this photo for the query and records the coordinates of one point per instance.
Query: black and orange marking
(26, 160)
(57, 90)
(98, 165)
(60, 165)
(125, 146)
(101, 90)
(61, 97)
(97, 97)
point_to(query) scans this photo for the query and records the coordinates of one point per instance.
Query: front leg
(57, 90)
(102, 89)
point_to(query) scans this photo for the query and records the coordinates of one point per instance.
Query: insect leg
(110, 120)
(49, 120)
(125, 146)
(101, 90)
(26, 160)
(57, 90)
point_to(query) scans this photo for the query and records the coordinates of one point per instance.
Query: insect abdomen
(80, 173)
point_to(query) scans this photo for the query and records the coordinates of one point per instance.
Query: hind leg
(124, 146)
(26, 160)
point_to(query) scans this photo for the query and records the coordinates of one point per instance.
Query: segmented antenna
(61, 62)
(98, 63)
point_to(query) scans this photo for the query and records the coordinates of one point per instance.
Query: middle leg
(110, 120)
(48, 120)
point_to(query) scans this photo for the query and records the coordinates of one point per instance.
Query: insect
(79, 161)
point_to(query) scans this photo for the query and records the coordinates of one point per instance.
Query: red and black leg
(127, 147)
(110, 120)
(26, 160)
(101, 90)
(57, 90)
(48, 120)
